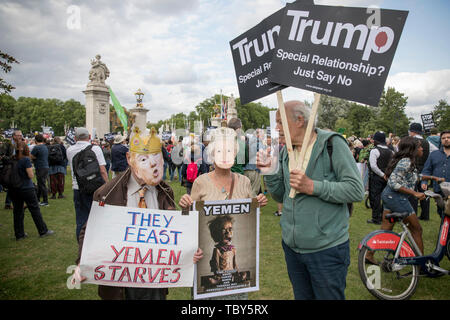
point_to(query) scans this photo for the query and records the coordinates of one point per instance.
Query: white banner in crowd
(135, 247)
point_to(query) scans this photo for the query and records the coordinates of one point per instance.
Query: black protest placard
(252, 54)
(336, 51)
(70, 137)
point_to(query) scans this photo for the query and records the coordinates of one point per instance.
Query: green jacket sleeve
(275, 183)
(348, 186)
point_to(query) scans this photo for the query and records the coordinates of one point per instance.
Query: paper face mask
(224, 152)
(145, 157)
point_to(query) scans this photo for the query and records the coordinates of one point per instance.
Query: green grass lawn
(36, 268)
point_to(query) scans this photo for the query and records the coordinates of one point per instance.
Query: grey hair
(300, 109)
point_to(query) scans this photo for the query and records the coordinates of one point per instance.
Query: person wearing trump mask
(139, 186)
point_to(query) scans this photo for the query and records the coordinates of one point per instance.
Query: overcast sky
(177, 51)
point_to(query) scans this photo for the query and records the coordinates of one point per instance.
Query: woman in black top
(26, 194)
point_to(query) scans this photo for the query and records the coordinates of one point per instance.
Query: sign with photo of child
(229, 238)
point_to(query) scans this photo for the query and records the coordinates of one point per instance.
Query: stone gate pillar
(97, 100)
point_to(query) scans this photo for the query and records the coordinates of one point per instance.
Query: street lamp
(139, 94)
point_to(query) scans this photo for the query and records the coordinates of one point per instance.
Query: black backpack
(330, 153)
(87, 171)
(55, 155)
(9, 174)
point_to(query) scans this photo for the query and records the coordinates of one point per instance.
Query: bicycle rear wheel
(382, 281)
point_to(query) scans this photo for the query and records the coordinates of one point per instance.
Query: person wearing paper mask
(140, 186)
(221, 183)
(314, 223)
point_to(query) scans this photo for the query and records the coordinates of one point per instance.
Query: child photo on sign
(223, 260)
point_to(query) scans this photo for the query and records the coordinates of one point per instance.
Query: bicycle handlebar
(437, 197)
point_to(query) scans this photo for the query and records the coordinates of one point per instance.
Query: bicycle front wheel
(385, 280)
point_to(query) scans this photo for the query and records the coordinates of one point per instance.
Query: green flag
(119, 110)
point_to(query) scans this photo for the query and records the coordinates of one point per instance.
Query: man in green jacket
(315, 222)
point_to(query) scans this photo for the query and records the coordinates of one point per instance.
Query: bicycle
(399, 262)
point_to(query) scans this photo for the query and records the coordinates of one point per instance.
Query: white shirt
(432, 146)
(373, 157)
(77, 147)
(151, 197)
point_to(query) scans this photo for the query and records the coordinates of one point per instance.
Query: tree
(344, 126)
(253, 115)
(330, 110)
(441, 115)
(391, 116)
(6, 62)
(30, 114)
(205, 109)
(361, 119)
(7, 104)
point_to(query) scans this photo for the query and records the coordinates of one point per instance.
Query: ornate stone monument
(216, 117)
(97, 100)
(231, 112)
(140, 113)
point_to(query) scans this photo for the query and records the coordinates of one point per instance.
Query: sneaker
(53, 196)
(48, 233)
(8, 206)
(21, 238)
(43, 204)
(61, 196)
(277, 213)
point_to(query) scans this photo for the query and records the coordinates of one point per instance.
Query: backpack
(9, 174)
(55, 155)
(87, 171)
(191, 171)
(330, 152)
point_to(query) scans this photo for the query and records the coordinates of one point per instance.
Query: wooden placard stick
(284, 122)
(307, 136)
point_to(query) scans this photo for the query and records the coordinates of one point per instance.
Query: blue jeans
(395, 201)
(82, 203)
(165, 170)
(318, 275)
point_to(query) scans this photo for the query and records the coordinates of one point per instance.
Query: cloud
(425, 88)
(177, 52)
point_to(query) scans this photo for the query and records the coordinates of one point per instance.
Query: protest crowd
(137, 238)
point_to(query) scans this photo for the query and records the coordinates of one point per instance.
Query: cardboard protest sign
(333, 51)
(135, 247)
(428, 122)
(166, 135)
(70, 136)
(252, 54)
(229, 238)
(110, 136)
